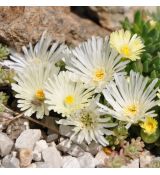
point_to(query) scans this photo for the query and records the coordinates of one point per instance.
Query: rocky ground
(24, 144)
(31, 150)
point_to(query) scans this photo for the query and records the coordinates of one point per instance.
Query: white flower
(127, 45)
(131, 101)
(65, 96)
(30, 89)
(88, 125)
(95, 63)
(41, 53)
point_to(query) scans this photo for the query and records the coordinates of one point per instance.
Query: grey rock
(44, 165)
(64, 145)
(40, 145)
(37, 156)
(28, 138)
(52, 137)
(70, 162)
(87, 161)
(6, 144)
(52, 156)
(72, 149)
(10, 162)
(92, 148)
(75, 150)
(65, 130)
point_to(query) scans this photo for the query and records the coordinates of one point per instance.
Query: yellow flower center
(40, 95)
(86, 120)
(150, 125)
(152, 23)
(126, 51)
(69, 100)
(99, 74)
(131, 110)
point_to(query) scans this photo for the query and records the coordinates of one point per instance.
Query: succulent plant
(155, 163)
(6, 76)
(120, 133)
(3, 98)
(149, 65)
(4, 52)
(116, 160)
(133, 149)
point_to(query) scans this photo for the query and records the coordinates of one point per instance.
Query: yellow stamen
(131, 110)
(150, 125)
(40, 94)
(69, 100)
(99, 74)
(126, 51)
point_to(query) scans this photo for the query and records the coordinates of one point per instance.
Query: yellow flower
(152, 23)
(127, 45)
(150, 125)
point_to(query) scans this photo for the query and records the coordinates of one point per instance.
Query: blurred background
(21, 25)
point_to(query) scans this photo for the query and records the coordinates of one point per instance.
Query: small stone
(64, 145)
(44, 165)
(72, 149)
(25, 156)
(52, 137)
(52, 156)
(28, 138)
(92, 148)
(100, 158)
(133, 164)
(86, 161)
(70, 162)
(10, 162)
(37, 156)
(75, 151)
(6, 144)
(65, 130)
(40, 145)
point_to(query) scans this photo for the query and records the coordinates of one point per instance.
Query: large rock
(52, 156)
(109, 17)
(6, 144)
(20, 25)
(28, 138)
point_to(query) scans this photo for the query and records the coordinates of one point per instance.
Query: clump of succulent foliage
(133, 149)
(120, 134)
(4, 52)
(6, 76)
(116, 161)
(155, 163)
(149, 31)
(128, 152)
(3, 98)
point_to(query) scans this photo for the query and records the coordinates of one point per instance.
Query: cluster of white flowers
(94, 67)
